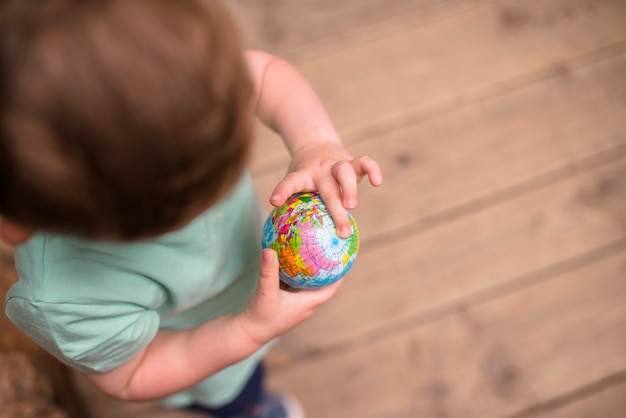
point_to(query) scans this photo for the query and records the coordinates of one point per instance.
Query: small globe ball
(310, 253)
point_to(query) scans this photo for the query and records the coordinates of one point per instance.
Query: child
(125, 129)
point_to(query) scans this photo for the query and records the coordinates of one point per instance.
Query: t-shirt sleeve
(81, 303)
(88, 337)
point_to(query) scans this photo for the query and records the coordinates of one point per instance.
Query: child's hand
(329, 169)
(288, 105)
(272, 311)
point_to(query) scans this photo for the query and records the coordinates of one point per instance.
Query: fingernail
(351, 202)
(267, 255)
(345, 231)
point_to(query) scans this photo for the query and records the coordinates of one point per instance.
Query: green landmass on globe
(310, 253)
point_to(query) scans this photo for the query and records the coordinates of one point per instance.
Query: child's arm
(176, 360)
(288, 104)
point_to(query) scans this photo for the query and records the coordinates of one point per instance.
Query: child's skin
(176, 360)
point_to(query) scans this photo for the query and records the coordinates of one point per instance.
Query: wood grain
(444, 165)
(445, 267)
(393, 77)
(488, 360)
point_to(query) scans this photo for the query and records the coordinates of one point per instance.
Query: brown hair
(118, 118)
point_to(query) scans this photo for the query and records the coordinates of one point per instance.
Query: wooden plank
(485, 361)
(407, 72)
(445, 163)
(419, 66)
(441, 268)
(310, 28)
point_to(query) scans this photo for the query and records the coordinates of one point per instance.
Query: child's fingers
(292, 183)
(330, 193)
(317, 297)
(328, 292)
(346, 178)
(365, 165)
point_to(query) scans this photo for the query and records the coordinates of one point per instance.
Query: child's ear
(14, 234)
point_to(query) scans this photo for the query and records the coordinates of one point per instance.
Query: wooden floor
(491, 280)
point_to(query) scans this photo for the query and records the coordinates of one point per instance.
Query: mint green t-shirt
(95, 305)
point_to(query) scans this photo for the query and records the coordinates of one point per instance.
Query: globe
(310, 253)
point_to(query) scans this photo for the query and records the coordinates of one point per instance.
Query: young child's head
(119, 119)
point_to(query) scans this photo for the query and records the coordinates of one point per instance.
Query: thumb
(269, 271)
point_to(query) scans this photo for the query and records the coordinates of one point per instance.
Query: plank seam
(468, 98)
(485, 92)
(301, 55)
(495, 198)
(577, 394)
